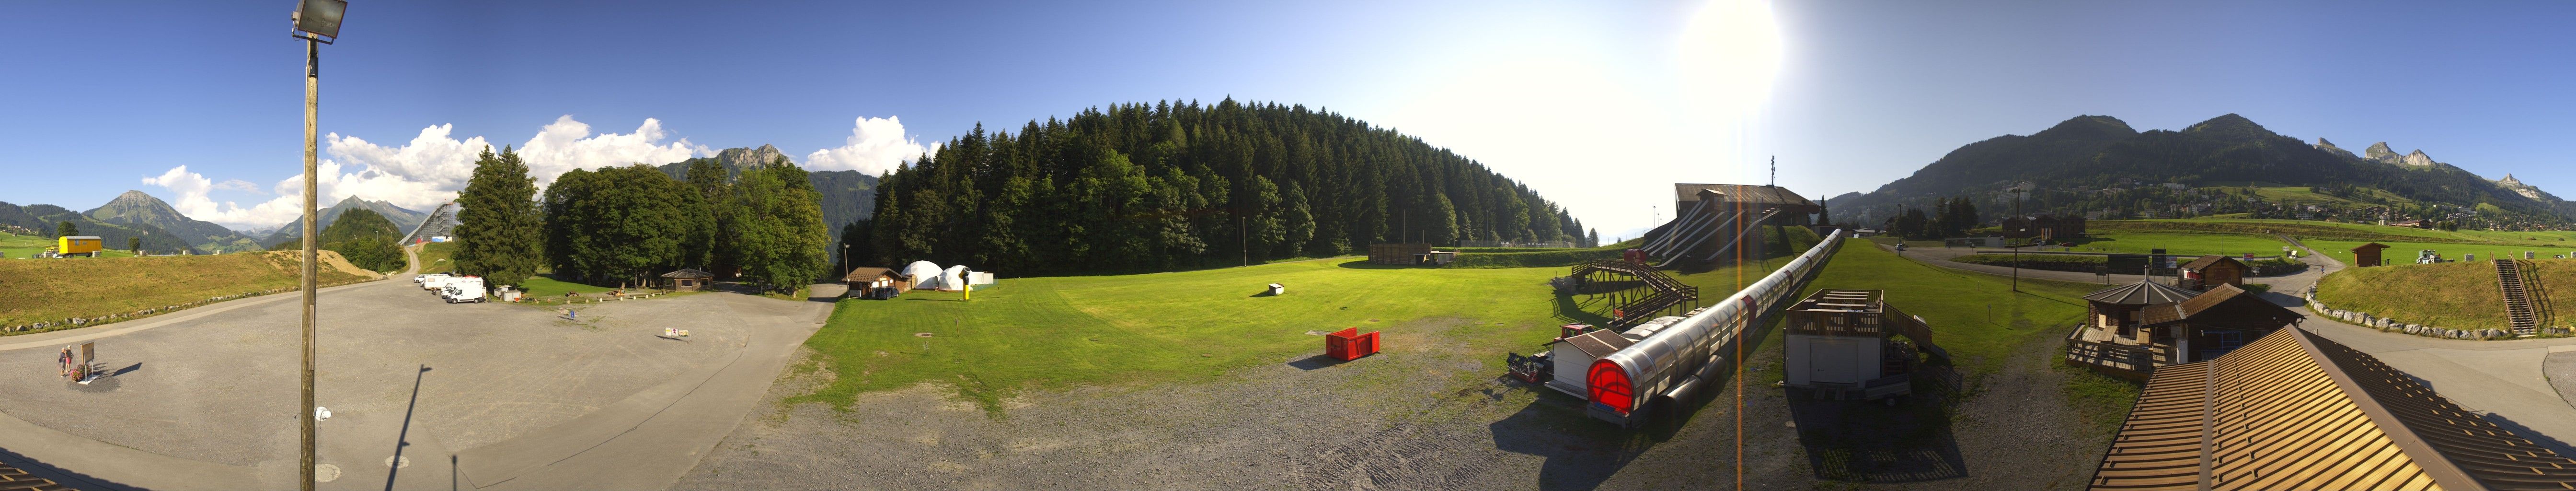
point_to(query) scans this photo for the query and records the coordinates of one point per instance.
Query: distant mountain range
(294, 229)
(2086, 163)
(847, 195)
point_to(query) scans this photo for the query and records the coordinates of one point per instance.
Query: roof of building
(1759, 196)
(2205, 262)
(2144, 292)
(1841, 301)
(2294, 410)
(869, 274)
(688, 273)
(15, 479)
(2371, 246)
(2250, 308)
(1599, 343)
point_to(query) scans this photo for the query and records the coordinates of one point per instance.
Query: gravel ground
(1413, 418)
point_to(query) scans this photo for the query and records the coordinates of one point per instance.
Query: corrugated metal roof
(2294, 410)
(1752, 194)
(2144, 292)
(1599, 343)
(2252, 307)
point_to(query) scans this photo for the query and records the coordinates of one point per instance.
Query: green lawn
(2305, 229)
(2404, 252)
(2450, 295)
(2180, 243)
(1956, 303)
(1132, 329)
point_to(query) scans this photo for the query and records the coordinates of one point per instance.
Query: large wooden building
(2132, 329)
(2294, 410)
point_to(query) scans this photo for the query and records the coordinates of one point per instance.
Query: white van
(423, 280)
(462, 289)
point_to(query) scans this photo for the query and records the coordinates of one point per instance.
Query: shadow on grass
(1316, 362)
(1872, 442)
(1364, 264)
(1571, 311)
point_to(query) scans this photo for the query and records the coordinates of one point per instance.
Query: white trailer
(462, 289)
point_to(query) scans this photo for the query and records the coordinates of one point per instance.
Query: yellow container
(77, 244)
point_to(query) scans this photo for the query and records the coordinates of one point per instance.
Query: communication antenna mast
(1775, 171)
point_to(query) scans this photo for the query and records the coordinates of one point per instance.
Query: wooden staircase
(1663, 292)
(2517, 297)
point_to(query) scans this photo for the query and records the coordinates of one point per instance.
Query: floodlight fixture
(319, 20)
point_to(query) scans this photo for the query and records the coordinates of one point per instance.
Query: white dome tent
(924, 275)
(953, 279)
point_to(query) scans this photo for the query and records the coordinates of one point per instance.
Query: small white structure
(1276, 289)
(1840, 346)
(924, 275)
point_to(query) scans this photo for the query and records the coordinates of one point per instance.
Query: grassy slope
(2404, 252)
(40, 290)
(2460, 295)
(437, 257)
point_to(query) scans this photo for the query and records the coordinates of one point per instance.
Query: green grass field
(2306, 229)
(439, 257)
(2303, 195)
(1955, 302)
(26, 246)
(1052, 331)
(2460, 295)
(2180, 243)
(51, 289)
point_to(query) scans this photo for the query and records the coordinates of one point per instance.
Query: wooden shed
(2213, 270)
(867, 280)
(1842, 345)
(689, 280)
(2367, 255)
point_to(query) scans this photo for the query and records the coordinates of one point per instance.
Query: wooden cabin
(2367, 255)
(1403, 254)
(875, 282)
(688, 280)
(1842, 345)
(2132, 329)
(2213, 270)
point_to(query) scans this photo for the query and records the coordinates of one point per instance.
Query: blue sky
(1598, 105)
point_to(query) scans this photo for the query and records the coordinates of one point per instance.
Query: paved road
(2528, 384)
(488, 396)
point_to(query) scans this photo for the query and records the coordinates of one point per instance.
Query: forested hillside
(1183, 185)
(364, 237)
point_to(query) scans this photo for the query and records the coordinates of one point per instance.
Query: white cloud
(567, 144)
(875, 145)
(422, 173)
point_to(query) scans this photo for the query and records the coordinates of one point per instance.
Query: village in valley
(1234, 292)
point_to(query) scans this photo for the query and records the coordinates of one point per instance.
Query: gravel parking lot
(401, 371)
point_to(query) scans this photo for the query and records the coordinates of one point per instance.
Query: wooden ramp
(1662, 291)
(2517, 296)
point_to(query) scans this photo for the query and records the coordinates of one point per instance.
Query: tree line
(1177, 185)
(1951, 217)
(630, 224)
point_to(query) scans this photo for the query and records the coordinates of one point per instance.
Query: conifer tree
(502, 234)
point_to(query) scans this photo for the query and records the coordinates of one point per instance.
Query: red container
(1350, 344)
(1633, 255)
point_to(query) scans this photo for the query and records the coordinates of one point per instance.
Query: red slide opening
(1609, 386)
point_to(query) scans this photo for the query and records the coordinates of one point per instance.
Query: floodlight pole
(312, 188)
(2025, 223)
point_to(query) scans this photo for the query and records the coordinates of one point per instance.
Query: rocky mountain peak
(2508, 180)
(2417, 159)
(747, 158)
(2380, 152)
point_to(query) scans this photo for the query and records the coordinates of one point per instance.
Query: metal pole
(2025, 223)
(312, 190)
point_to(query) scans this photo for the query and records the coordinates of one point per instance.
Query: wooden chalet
(1793, 208)
(2132, 329)
(2294, 410)
(688, 280)
(870, 279)
(2213, 270)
